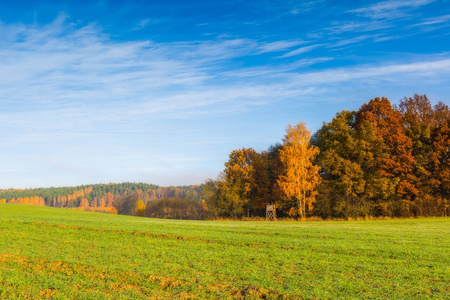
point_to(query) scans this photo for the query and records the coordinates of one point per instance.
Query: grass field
(69, 254)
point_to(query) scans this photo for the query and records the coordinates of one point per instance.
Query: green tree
(223, 199)
(343, 185)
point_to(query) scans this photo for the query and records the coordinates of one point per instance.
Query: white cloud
(353, 40)
(145, 23)
(351, 27)
(433, 70)
(304, 6)
(279, 46)
(440, 20)
(301, 50)
(390, 9)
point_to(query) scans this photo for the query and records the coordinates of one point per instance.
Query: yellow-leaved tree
(140, 208)
(299, 177)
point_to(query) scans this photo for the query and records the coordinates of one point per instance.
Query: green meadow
(50, 253)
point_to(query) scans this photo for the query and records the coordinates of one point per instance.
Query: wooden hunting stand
(271, 213)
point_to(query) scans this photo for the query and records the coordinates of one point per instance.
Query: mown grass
(68, 254)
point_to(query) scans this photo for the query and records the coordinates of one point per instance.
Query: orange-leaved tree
(393, 160)
(299, 177)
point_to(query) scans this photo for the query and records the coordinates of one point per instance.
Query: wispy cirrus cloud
(305, 6)
(278, 46)
(383, 21)
(430, 70)
(144, 23)
(353, 40)
(301, 50)
(390, 9)
(352, 27)
(433, 23)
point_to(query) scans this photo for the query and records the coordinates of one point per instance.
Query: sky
(162, 91)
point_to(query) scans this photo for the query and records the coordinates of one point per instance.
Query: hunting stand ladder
(271, 214)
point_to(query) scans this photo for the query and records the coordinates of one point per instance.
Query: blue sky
(162, 91)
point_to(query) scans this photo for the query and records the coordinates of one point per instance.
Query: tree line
(98, 197)
(383, 160)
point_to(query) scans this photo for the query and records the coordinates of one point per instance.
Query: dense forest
(383, 160)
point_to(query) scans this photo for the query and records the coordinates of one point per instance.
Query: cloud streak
(300, 50)
(390, 9)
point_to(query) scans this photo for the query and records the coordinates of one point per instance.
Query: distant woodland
(383, 160)
(124, 198)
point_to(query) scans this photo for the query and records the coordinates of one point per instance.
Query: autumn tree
(140, 208)
(239, 172)
(439, 164)
(389, 162)
(417, 120)
(83, 203)
(300, 176)
(108, 199)
(245, 184)
(428, 127)
(243, 188)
